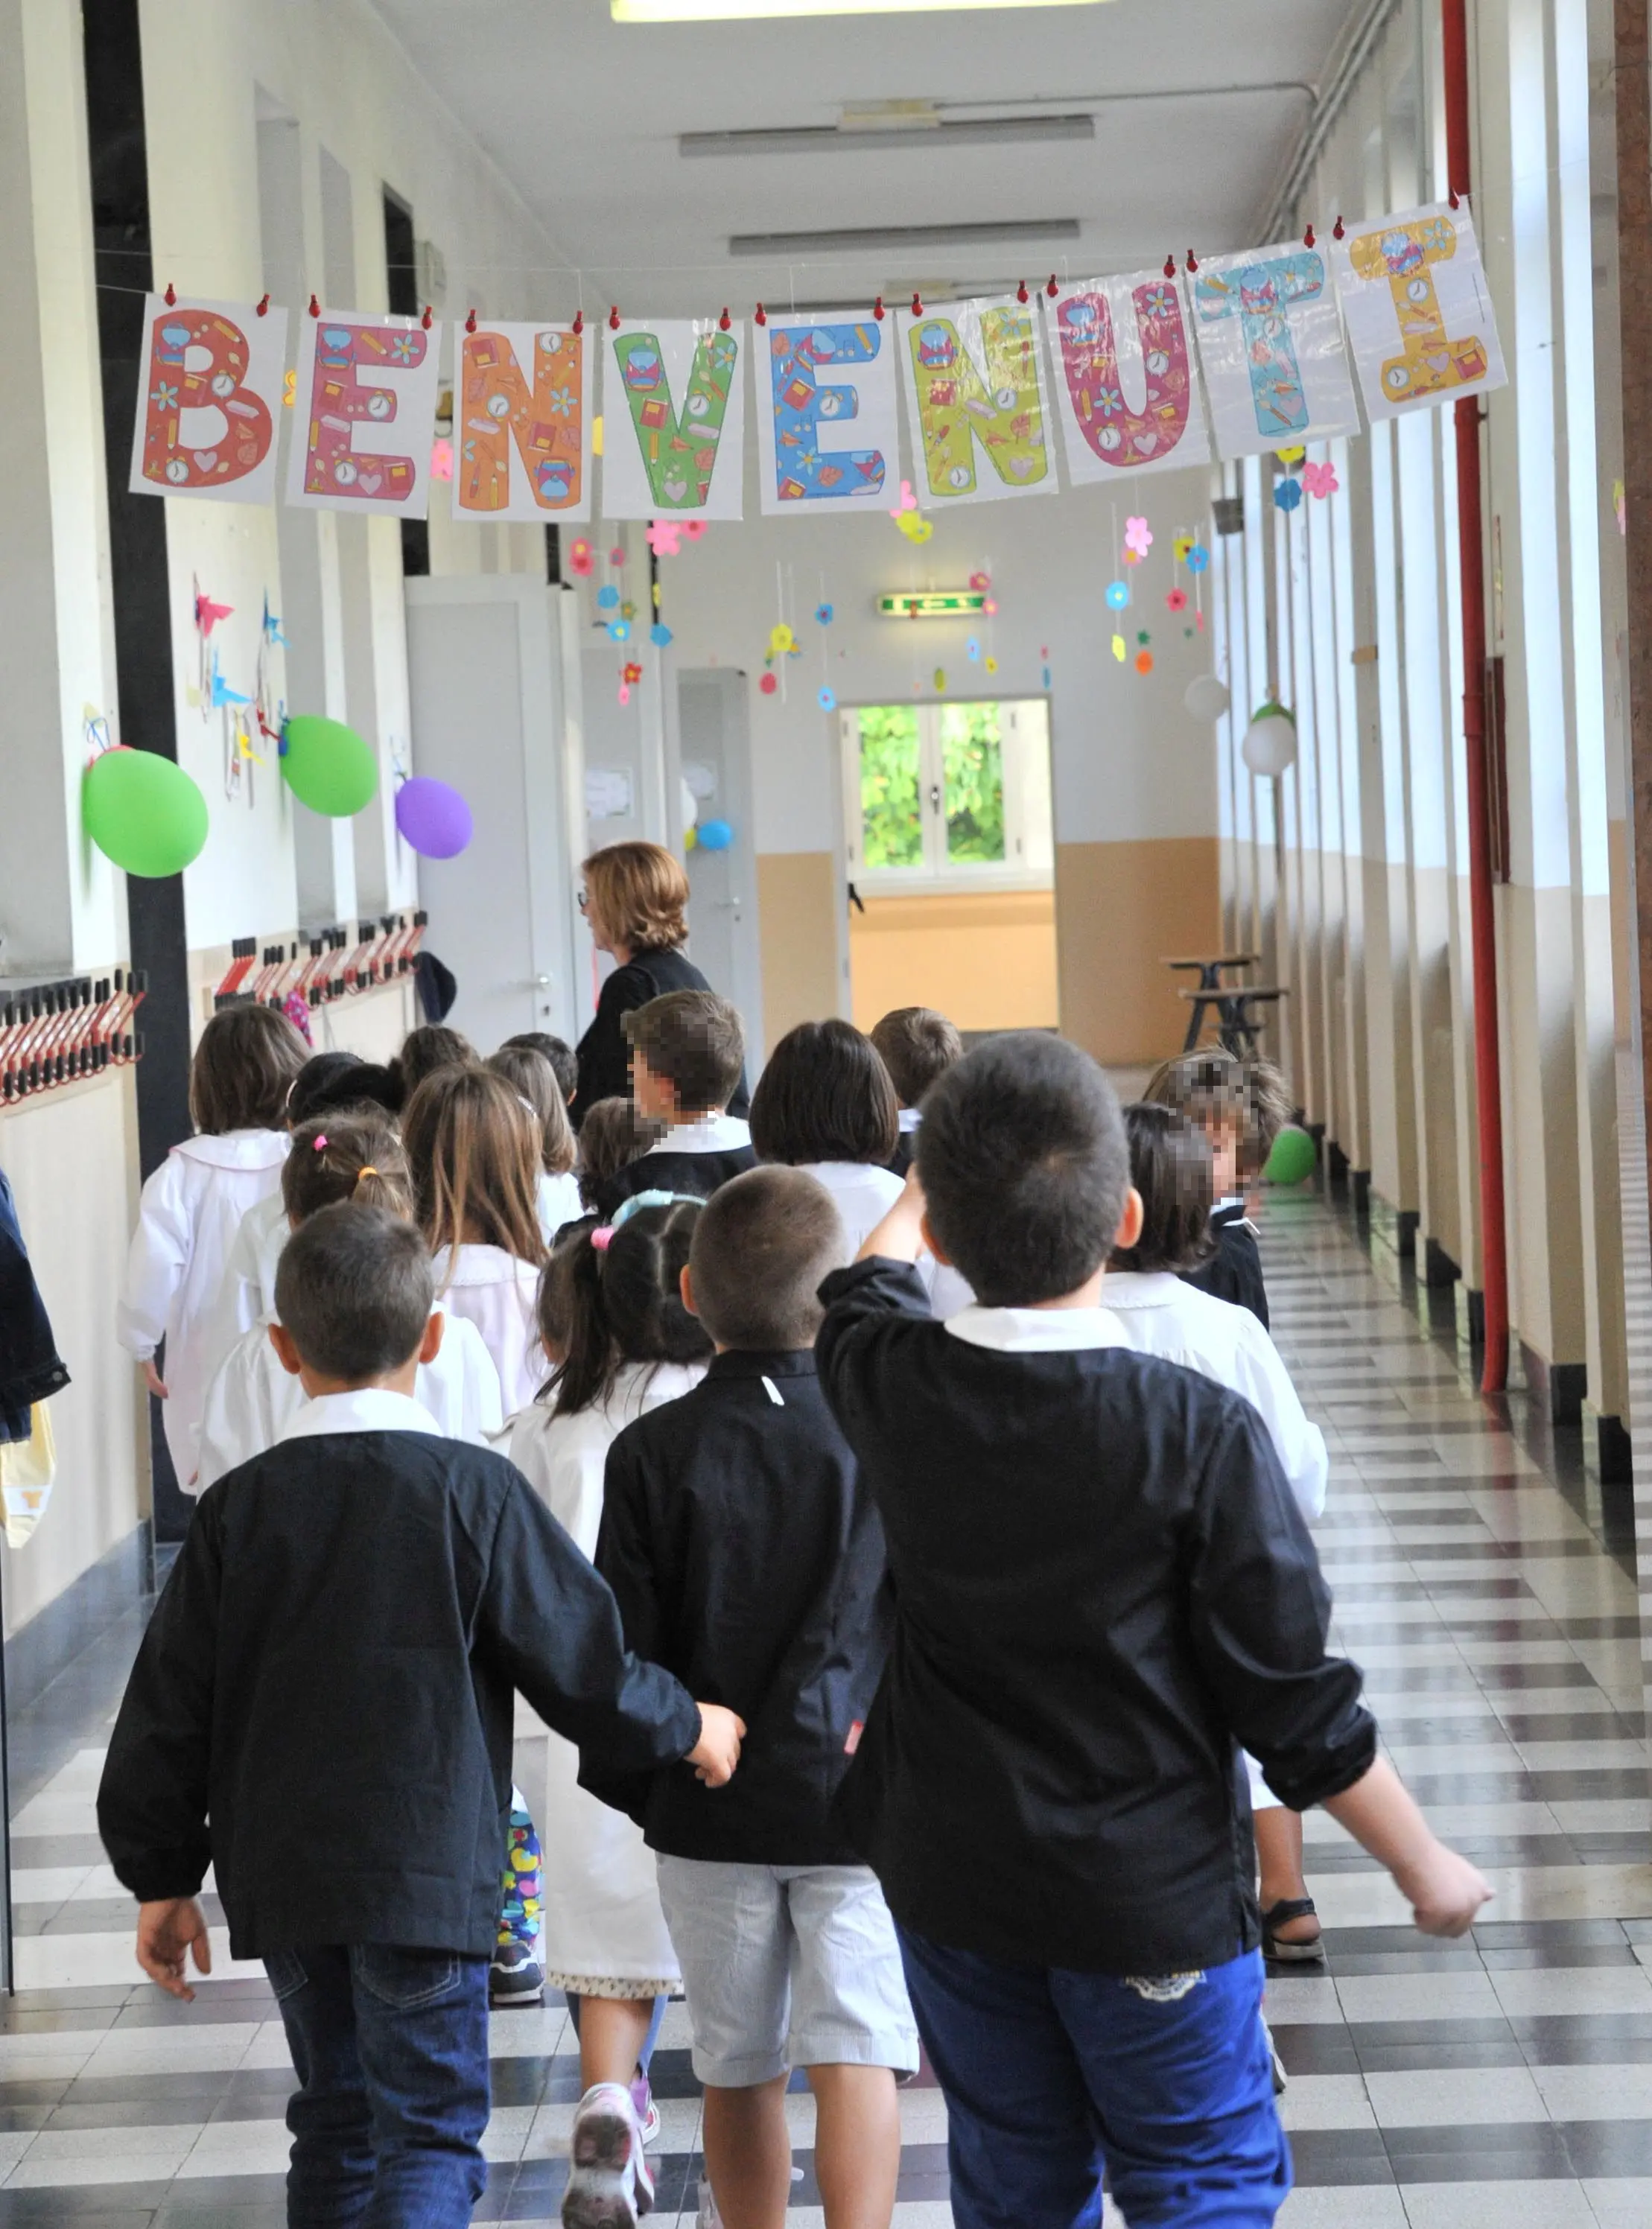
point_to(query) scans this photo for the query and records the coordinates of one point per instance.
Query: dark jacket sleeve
(865, 1305)
(551, 1624)
(603, 1055)
(152, 1798)
(31, 1366)
(1260, 1610)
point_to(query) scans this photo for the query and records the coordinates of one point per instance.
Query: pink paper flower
(1138, 536)
(1320, 481)
(665, 538)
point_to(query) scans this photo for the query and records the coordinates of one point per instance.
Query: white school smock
(864, 1194)
(558, 1202)
(1161, 1315)
(188, 1218)
(247, 1296)
(500, 1295)
(601, 1904)
(253, 1401)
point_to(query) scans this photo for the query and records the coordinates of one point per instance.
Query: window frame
(940, 876)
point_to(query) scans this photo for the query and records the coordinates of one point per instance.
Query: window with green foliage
(948, 794)
(892, 818)
(972, 756)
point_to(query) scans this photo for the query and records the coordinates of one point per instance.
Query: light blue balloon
(714, 836)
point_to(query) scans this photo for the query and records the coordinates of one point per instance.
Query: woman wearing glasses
(634, 900)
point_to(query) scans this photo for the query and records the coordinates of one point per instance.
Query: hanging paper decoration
(980, 582)
(826, 701)
(972, 651)
(907, 501)
(327, 765)
(992, 665)
(692, 528)
(222, 693)
(619, 630)
(1207, 698)
(210, 380)
(371, 376)
(1287, 494)
(1320, 481)
(781, 639)
(1176, 599)
(1121, 648)
(1419, 315)
(1293, 455)
(522, 422)
(665, 538)
(915, 526)
(659, 634)
(1124, 385)
(1270, 744)
(581, 558)
(1144, 661)
(1271, 349)
(143, 811)
(1198, 558)
(827, 419)
(628, 610)
(433, 818)
(1138, 538)
(769, 684)
(941, 677)
(616, 555)
(608, 597)
(823, 615)
(677, 387)
(1118, 594)
(976, 400)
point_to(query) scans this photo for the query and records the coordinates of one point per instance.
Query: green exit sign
(932, 603)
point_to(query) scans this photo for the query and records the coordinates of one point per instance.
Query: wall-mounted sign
(931, 603)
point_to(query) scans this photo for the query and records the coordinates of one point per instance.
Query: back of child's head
(614, 1133)
(312, 1087)
(764, 1246)
(533, 1078)
(1170, 1167)
(559, 1301)
(618, 1300)
(245, 1066)
(1273, 1104)
(825, 1095)
(475, 1150)
(695, 1041)
(1025, 1167)
(354, 1291)
(429, 1049)
(341, 1156)
(563, 1060)
(363, 1086)
(918, 1046)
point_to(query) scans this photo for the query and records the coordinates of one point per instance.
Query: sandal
(1280, 1915)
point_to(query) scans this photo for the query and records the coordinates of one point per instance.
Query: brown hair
(1273, 1104)
(622, 1303)
(635, 894)
(917, 1045)
(1250, 1098)
(826, 1095)
(243, 1069)
(612, 1136)
(531, 1076)
(564, 1059)
(345, 1156)
(1170, 1167)
(695, 1041)
(354, 1291)
(764, 1246)
(429, 1049)
(475, 1151)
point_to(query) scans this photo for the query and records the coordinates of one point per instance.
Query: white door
(715, 742)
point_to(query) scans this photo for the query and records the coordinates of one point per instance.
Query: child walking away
(825, 1103)
(321, 1711)
(737, 1541)
(918, 1046)
(1211, 1091)
(613, 1135)
(622, 1344)
(475, 1151)
(253, 1399)
(1162, 1313)
(1102, 1582)
(533, 1079)
(686, 1054)
(192, 1206)
(564, 1061)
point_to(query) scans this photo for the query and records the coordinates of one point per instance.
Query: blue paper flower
(827, 700)
(619, 631)
(1198, 558)
(659, 634)
(608, 597)
(1287, 494)
(823, 614)
(1118, 594)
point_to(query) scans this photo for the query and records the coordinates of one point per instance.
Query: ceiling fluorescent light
(705, 11)
(881, 239)
(862, 137)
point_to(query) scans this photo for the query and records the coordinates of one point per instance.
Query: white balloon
(1207, 698)
(689, 806)
(1270, 745)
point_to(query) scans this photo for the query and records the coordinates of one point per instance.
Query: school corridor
(1488, 1589)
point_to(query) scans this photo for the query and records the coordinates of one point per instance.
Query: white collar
(237, 1149)
(368, 1409)
(1036, 1331)
(909, 1120)
(712, 1133)
(1143, 1288)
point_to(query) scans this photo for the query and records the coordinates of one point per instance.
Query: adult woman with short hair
(633, 902)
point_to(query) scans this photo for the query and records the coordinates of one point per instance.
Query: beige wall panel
(987, 959)
(1121, 910)
(798, 899)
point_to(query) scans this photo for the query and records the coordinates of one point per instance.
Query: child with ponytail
(621, 1342)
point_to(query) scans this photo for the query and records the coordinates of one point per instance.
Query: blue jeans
(1049, 2075)
(391, 2047)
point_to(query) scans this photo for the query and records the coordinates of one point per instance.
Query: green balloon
(327, 765)
(143, 811)
(1293, 1158)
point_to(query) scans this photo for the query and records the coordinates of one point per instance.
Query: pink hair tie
(602, 1238)
(320, 1145)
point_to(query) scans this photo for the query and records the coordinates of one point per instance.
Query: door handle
(855, 899)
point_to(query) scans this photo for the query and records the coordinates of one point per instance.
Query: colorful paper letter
(521, 388)
(1419, 316)
(1116, 340)
(827, 384)
(1270, 348)
(211, 386)
(974, 387)
(659, 455)
(361, 373)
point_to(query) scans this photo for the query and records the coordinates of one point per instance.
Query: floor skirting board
(38, 1652)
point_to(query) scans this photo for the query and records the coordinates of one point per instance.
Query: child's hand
(155, 1381)
(166, 1931)
(715, 1754)
(1444, 1891)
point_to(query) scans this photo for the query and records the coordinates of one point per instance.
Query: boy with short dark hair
(1102, 1586)
(321, 1710)
(918, 1046)
(687, 1059)
(740, 1547)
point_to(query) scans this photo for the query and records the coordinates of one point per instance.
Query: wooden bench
(1210, 979)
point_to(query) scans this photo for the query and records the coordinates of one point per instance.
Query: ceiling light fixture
(705, 11)
(939, 134)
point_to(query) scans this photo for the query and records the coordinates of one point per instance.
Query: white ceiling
(583, 115)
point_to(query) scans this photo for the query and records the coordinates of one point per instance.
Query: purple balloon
(433, 818)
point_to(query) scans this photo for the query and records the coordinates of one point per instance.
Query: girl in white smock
(192, 1206)
(622, 1342)
(533, 1078)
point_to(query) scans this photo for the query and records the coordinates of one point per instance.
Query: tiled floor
(1487, 1589)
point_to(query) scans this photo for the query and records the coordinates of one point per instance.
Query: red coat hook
(1336, 229)
(877, 309)
(1307, 237)
(614, 318)
(1050, 287)
(315, 307)
(470, 322)
(1021, 294)
(263, 305)
(760, 316)
(725, 321)
(171, 295)
(918, 303)
(579, 323)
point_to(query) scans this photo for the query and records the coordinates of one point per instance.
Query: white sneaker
(708, 2217)
(610, 2183)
